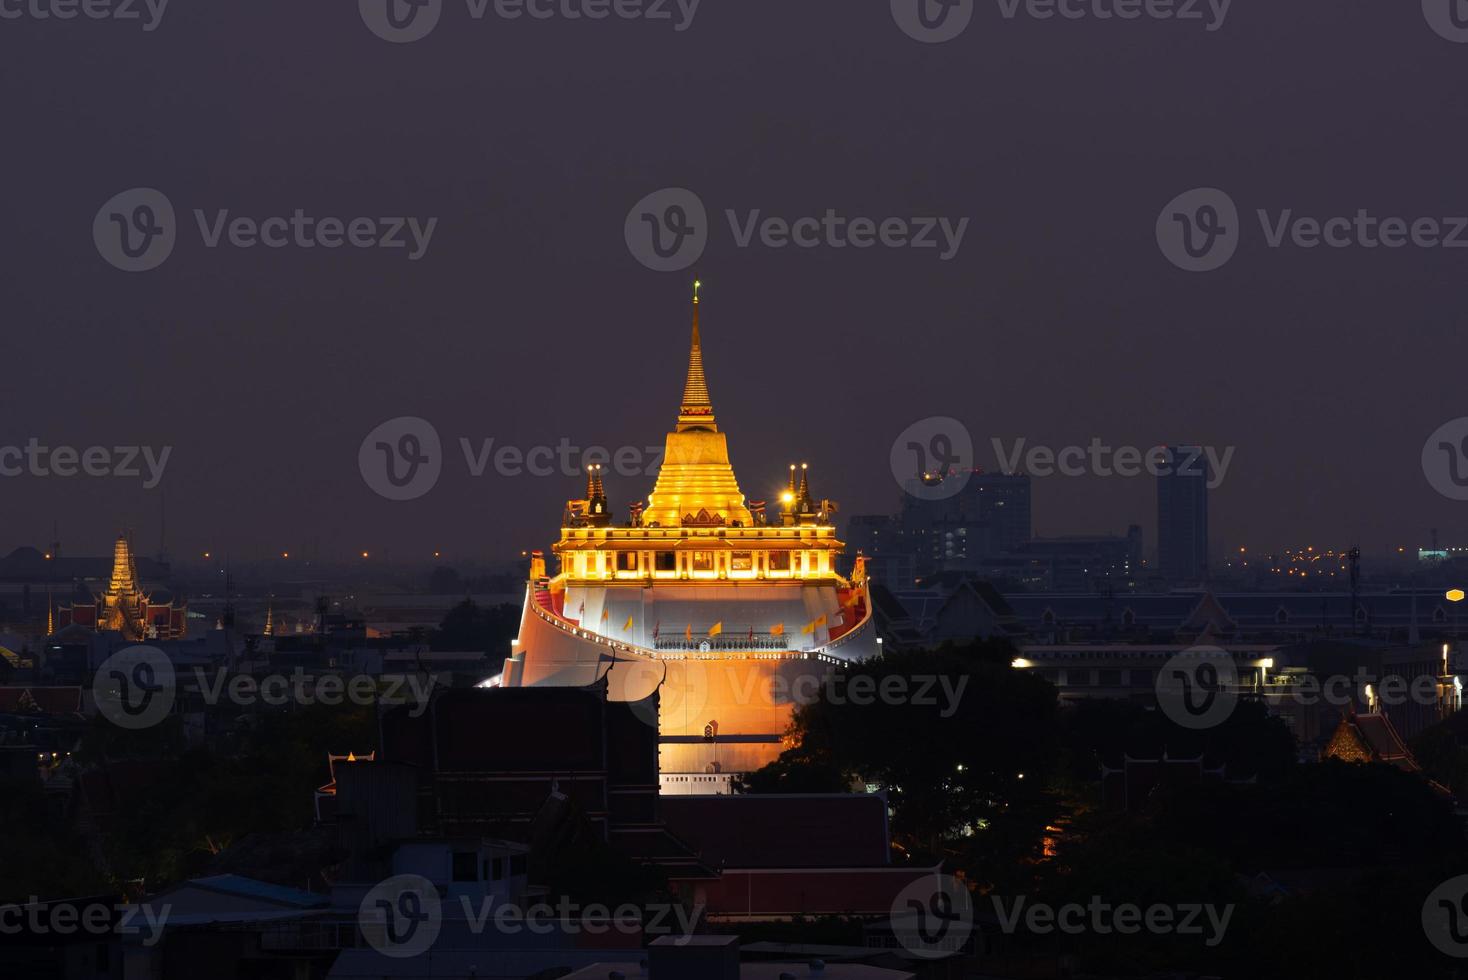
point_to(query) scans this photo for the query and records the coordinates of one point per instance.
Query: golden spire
(697, 411)
(270, 620)
(124, 572)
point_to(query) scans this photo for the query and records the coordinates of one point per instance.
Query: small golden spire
(697, 411)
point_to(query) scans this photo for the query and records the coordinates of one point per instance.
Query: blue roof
(252, 888)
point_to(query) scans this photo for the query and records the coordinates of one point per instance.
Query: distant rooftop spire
(124, 571)
(697, 411)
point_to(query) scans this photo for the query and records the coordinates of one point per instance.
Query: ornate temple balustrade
(732, 641)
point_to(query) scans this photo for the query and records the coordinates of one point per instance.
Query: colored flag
(688, 633)
(778, 629)
(810, 627)
(751, 634)
(582, 614)
(604, 614)
(717, 628)
(655, 628)
(628, 627)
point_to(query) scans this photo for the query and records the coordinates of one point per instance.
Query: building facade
(1182, 516)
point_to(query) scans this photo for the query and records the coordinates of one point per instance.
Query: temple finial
(697, 411)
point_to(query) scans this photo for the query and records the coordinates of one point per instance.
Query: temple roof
(696, 474)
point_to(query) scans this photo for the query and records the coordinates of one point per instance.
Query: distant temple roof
(1370, 738)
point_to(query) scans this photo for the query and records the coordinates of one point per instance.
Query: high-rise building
(989, 518)
(1182, 515)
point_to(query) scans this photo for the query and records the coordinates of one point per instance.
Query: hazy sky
(528, 319)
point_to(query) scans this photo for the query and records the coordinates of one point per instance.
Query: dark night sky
(529, 320)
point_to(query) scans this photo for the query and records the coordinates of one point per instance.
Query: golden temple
(700, 595)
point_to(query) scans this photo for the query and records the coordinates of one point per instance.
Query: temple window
(779, 561)
(703, 561)
(667, 561)
(626, 561)
(741, 561)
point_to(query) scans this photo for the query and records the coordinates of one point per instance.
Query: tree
(962, 744)
(468, 627)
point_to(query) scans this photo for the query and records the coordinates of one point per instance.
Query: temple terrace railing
(732, 641)
(542, 611)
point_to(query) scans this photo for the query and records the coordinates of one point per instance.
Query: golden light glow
(1455, 595)
(696, 525)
